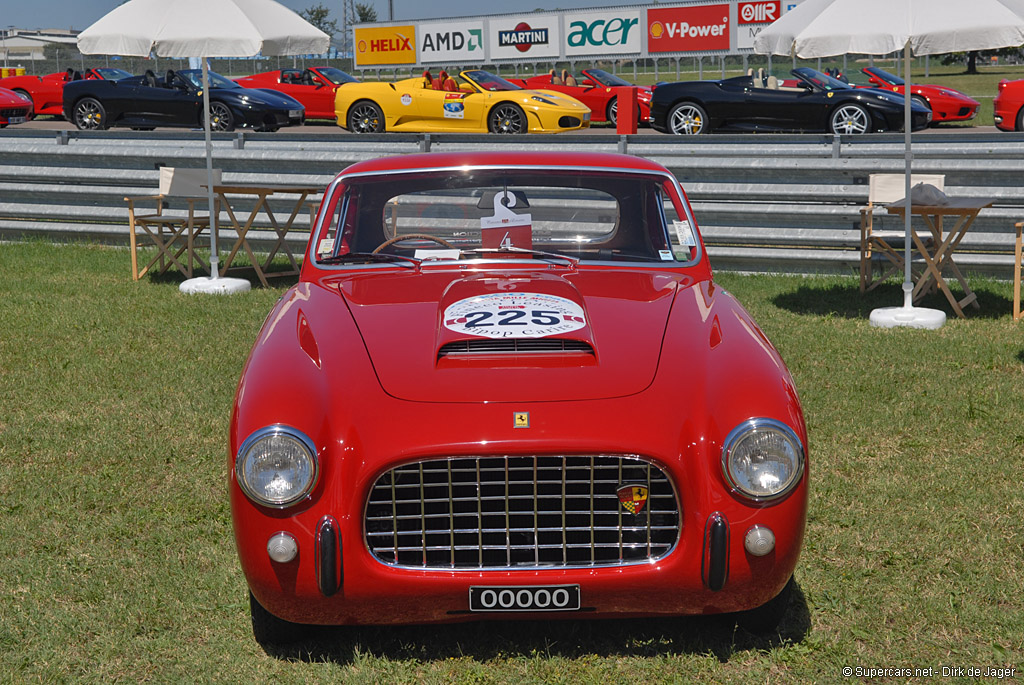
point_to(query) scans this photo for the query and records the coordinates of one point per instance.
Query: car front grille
(12, 112)
(472, 513)
(481, 346)
(569, 122)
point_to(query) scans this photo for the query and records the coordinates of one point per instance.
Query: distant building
(24, 45)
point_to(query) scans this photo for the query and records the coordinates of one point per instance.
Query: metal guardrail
(764, 202)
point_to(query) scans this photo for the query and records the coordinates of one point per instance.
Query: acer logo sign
(763, 12)
(601, 32)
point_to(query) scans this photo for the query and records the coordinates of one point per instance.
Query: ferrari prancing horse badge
(633, 497)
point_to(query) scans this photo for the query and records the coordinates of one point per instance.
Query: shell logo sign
(688, 29)
(385, 45)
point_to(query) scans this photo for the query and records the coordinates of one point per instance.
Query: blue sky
(78, 14)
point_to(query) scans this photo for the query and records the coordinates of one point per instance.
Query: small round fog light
(759, 541)
(282, 548)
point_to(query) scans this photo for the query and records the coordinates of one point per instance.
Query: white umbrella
(204, 29)
(823, 28)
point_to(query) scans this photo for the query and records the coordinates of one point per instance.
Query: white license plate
(295, 113)
(524, 598)
(15, 120)
(586, 117)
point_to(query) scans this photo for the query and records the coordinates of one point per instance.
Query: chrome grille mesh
(519, 512)
(515, 346)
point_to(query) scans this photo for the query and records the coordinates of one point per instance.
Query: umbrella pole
(908, 156)
(214, 259)
(907, 315)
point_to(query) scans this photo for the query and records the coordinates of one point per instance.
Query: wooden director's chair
(173, 234)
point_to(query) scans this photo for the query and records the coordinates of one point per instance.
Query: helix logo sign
(599, 33)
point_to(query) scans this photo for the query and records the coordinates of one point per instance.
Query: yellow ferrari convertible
(473, 102)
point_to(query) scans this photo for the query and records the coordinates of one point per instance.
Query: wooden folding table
(262, 191)
(938, 253)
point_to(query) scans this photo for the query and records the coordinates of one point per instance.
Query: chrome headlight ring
(762, 460)
(276, 466)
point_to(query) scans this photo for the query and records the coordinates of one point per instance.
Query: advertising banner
(611, 32)
(533, 36)
(752, 17)
(452, 42)
(385, 45)
(688, 29)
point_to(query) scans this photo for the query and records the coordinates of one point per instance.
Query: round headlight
(762, 459)
(276, 466)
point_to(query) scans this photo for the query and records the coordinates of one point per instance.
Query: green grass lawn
(118, 561)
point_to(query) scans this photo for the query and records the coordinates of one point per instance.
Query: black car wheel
(221, 118)
(506, 118)
(613, 110)
(1020, 120)
(365, 117)
(271, 630)
(850, 119)
(25, 94)
(90, 115)
(688, 118)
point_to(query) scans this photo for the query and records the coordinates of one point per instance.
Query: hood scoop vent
(487, 346)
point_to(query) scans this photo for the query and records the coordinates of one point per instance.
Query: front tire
(850, 119)
(506, 118)
(221, 118)
(26, 94)
(688, 118)
(269, 630)
(1020, 120)
(365, 117)
(90, 115)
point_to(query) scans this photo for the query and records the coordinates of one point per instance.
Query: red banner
(763, 12)
(688, 29)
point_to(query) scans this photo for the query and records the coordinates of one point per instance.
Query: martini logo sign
(534, 37)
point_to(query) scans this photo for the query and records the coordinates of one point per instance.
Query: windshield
(111, 74)
(336, 76)
(885, 76)
(487, 214)
(488, 81)
(820, 80)
(606, 79)
(195, 77)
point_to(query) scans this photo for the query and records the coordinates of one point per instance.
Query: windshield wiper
(369, 258)
(571, 261)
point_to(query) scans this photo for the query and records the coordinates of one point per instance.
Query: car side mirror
(875, 81)
(587, 82)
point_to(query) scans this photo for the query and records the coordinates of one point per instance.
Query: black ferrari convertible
(148, 101)
(813, 102)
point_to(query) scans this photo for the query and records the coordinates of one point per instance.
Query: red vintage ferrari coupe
(47, 92)
(15, 108)
(1009, 106)
(595, 89)
(314, 87)
(946, 104)
(506, 386)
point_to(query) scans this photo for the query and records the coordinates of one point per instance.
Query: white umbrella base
(205, 285)
(909, 317)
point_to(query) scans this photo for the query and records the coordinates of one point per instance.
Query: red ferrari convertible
(946, 104)
(1009, 106)
(314, 87)
(47, 92)
(506, 386)
(15, 108)
(595, 89)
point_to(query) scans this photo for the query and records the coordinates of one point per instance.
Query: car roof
(455, 160)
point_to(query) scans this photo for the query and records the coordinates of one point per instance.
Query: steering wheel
(412, 236)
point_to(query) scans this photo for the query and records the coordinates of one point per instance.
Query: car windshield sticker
(406, 99)
(514, 315)
(666, 255)
(326, 246)
(684, 233)
(434, 253)
(506, 229)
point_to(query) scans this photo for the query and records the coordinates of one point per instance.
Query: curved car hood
(890, 97)
(402, 319)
